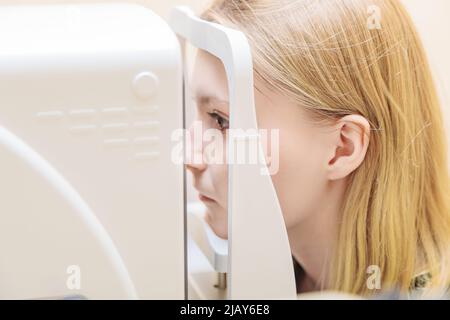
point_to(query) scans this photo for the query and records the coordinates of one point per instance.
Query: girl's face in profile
(301, 178)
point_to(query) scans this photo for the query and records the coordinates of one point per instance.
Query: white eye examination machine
(92, 205)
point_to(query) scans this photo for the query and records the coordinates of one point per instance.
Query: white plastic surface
(48, 231)
(89, 97)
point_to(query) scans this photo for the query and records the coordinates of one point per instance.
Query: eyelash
(219, 120)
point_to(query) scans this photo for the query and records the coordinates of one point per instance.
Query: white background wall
(432, 19)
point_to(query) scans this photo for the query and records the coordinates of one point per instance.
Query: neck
(313, 239)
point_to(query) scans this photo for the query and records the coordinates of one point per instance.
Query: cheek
(300, 180)
(217, 216)
(219, 174)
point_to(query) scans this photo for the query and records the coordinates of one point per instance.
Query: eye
(221, 121)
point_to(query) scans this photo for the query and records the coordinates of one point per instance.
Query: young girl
(363, 177)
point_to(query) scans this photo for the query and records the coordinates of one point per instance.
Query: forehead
(208, 78)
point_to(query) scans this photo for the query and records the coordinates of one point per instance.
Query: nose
(194, 151)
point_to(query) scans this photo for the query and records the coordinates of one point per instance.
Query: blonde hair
(323, 54)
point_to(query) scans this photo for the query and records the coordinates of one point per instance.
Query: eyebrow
(208, 99)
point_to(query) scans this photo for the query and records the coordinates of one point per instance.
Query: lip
(204, 198)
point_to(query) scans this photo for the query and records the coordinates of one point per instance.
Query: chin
(218, 226)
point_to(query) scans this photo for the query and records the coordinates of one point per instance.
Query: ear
(349, 147)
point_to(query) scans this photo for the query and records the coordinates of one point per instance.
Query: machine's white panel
(52, 244)
(95, 92)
